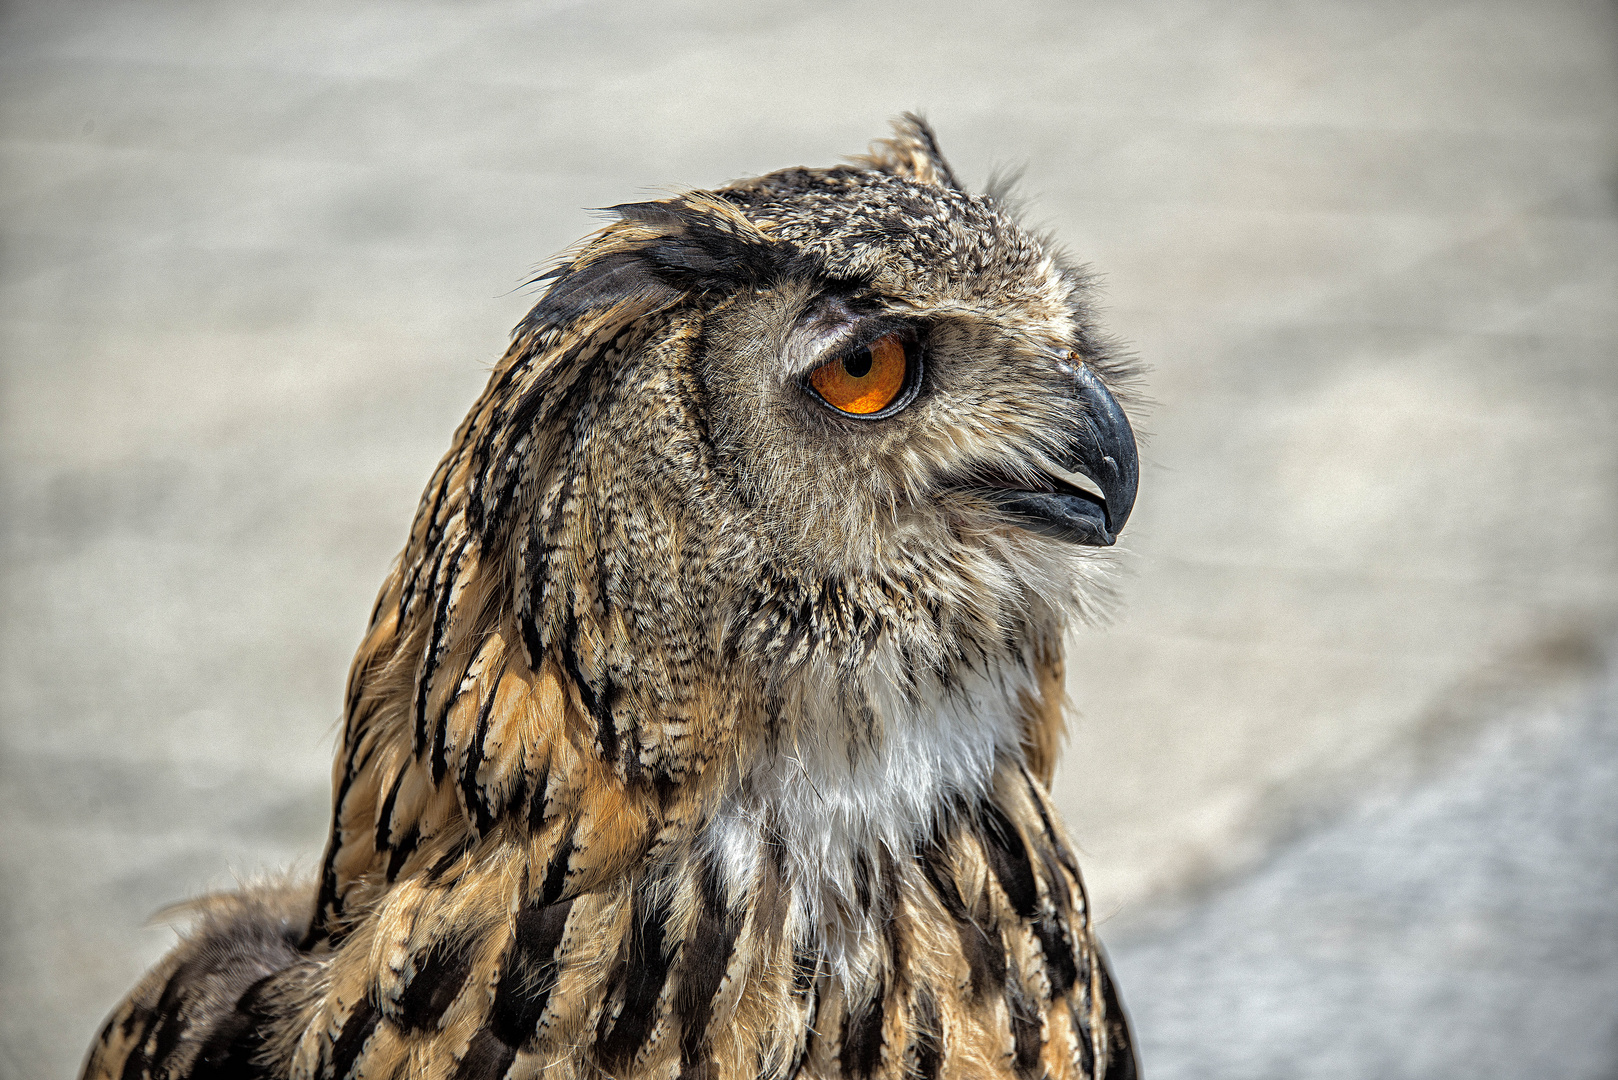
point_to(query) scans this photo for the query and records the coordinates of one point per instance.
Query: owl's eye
(868, 381)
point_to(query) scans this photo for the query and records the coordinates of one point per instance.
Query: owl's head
(800, 416)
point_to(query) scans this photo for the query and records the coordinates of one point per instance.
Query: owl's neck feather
(845, 788)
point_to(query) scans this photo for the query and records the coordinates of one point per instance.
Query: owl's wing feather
(201, 1011)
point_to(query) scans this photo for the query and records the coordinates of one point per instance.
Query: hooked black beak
(1104, 451)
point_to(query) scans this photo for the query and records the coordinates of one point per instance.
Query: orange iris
(865, 381)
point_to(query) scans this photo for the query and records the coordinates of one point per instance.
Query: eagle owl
(703, 726)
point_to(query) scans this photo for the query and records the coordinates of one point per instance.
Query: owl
(704, 725)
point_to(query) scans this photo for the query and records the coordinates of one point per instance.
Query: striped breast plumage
(703, 727)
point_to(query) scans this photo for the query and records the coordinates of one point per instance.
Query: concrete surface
(1467, 928)
(257, 259)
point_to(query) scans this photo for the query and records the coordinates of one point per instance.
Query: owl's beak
(1104, 452)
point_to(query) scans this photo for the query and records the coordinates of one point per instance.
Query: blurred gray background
(1344, 767)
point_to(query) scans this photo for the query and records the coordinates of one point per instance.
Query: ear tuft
(912, 153)
(655, 253)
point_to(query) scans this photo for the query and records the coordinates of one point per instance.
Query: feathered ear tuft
(912, 153)
(658, 251)
(701, 242)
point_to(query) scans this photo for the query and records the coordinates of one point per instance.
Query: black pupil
(859, 365)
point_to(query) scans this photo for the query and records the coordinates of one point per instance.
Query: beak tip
(1107, 452)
